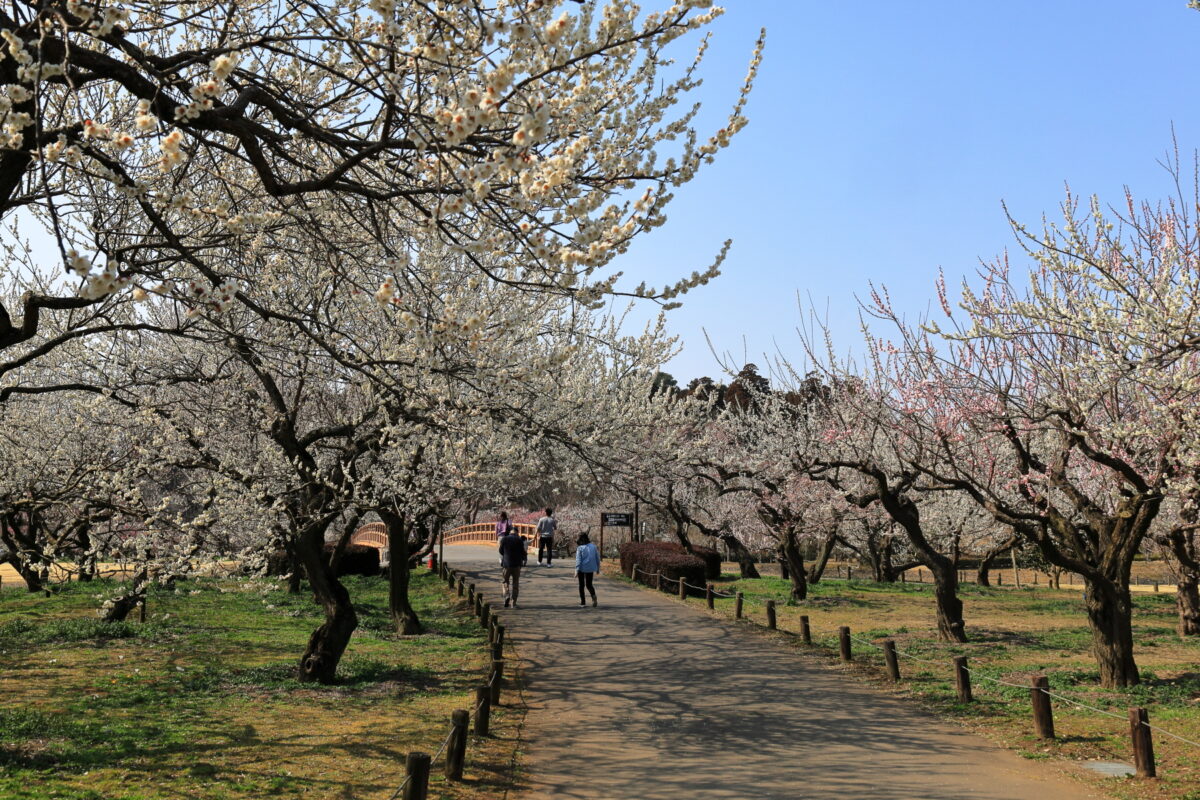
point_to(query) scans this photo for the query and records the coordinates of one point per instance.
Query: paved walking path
(642, 699)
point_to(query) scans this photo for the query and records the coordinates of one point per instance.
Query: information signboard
(611, 519)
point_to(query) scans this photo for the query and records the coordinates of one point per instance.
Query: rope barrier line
(976, 673)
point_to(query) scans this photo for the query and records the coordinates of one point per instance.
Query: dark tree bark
(122, 606)
(989, 558)
(743, 557)
(793, 557)
(405, 617)
(817, 570)
(1110, 614)
(1187, 603)
(329, 641)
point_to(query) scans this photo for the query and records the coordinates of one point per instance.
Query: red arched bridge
(374, 534)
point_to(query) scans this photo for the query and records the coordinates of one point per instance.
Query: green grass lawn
(1014, 633)
(200, 701)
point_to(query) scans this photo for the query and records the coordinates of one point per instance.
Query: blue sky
(884, 136)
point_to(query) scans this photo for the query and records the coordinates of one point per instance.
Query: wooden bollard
(805, 631)
(483, 709)
(962, 679)
(1156, 586)
(485, 615)
(999, 579)
(479, 604)
(844, 643)
(890, 659)
(1035, 579)
(497, 679)
(849, 573)
(497, 651)
(737, 606)
(471, 594)
(461, 585)
(708, 596)
(456, 750)
(498, 634)
(416, 767)
(658, 580)
(682, 590)
(771, 614)
(920, 576)
(633, 573)
(1043, 717)
(1143, 745)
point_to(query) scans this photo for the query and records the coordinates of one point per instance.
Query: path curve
(643, 698)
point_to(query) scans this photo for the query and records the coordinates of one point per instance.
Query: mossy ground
(1014, 633)
(200, 701)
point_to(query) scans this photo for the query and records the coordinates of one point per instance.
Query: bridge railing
(484, 533)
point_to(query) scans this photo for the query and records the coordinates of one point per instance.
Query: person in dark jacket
(587, 564)
(512, 557)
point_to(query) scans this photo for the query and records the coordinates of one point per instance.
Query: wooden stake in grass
(483, 709)
(1143, 745)
(461, 585)
(1043, 717)
(485, 615)
(889, 658)
(708, 596)
(456, 750)
(416, 767)
(471, 594)
(844, 643)
(771, 614)
(962, 679)
(805, 631)
(498, 634)
(737, 606)
(682, 590)
(658, 580)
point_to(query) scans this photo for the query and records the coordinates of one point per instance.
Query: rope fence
(417, 765)
(1040, 693)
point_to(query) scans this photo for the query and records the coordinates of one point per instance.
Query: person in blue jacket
(587, 564)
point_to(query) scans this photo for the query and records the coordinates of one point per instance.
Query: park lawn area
(1014, 633)
(200, 702)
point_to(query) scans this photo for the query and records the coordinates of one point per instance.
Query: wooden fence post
(1156, 586)
(999, 579)
(805, 631)
(497, 651)
(708, 596)
(889, 658)
(416, 767)
(682, 590)
(461, 585)
(658, 580)
(471, 594)
(1043, 717)
(844, 643)
(142, 609)
(771, 614)
(737, 606)
(483, 709)
(498, 634)
(485, 615)
(1143, 745)
(962, 679)
(497, 679)
(633, 572)
(456, 751)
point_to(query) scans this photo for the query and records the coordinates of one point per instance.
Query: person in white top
(546, 527)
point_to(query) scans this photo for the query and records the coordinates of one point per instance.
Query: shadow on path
(643, 698)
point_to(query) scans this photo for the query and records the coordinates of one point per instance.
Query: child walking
(587, 564)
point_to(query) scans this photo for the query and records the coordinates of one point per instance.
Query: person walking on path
(503, 525)
(587, 564)
(512, 557)
(546, 528)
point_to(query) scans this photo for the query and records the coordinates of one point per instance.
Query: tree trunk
(126, 603)
(1109, 611)
(741, 555)
(405, 617)
(793, 557)
(949, 607)
(826, 550)
(328, 642)
(1187, 601)
(989, 558)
